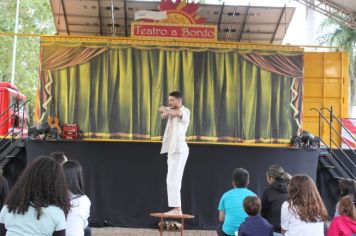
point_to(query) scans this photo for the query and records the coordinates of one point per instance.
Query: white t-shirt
(52, 219)
(296, 227)
(174, 134)
(77, 218)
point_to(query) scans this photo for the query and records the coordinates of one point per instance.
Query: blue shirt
(52, 219)
(231, 203)
(255, 225)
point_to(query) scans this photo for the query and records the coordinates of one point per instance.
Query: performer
(175, 145)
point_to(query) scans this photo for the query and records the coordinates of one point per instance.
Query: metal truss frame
(332, 10)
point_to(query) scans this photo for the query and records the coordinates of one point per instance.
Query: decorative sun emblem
(180, 12)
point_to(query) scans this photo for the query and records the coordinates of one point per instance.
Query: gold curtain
(114, 91)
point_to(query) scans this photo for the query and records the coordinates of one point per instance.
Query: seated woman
(274, 196)
(38, 203)
(77, 219)
(345, 224)
(346, 187)
(304, 212)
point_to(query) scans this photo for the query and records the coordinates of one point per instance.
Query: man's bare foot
(174, 211)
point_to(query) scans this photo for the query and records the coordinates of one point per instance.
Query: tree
(333, 34)
(35, 17)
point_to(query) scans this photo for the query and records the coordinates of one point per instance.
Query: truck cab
(13, 112)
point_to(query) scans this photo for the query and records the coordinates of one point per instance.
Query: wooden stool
(163, 216)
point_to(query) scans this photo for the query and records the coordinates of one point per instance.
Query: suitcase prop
(71, 131)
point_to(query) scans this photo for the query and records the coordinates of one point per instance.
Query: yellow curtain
(116, 94)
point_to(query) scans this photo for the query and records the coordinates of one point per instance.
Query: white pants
(176, 163)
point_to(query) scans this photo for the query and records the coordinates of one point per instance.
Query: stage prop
(171, 225)
(125, 181)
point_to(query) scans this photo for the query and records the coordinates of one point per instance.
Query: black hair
(240, 177)
(177, 95)
(347, 187)
(276, 172)
(74, 177)
(58, 156)
(41, 184)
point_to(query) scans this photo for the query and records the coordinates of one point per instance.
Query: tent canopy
(257, 24)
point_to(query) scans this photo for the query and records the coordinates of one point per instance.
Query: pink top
(342, 226)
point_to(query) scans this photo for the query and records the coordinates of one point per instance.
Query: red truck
(13, 110)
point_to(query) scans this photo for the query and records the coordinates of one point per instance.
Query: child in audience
(346, 187)
(231, 212)
(254, 224)
(274, 196)
(38, 203)
(77, 219)
(345, 224)
(304, 213)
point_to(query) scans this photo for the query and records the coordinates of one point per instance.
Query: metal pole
(15, 43)
(113, 18)
(331, 125)
(319, 126)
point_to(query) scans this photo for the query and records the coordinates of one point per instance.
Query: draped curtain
(114, 91)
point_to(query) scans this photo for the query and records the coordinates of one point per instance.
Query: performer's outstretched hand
(162, 109)
(164, 112)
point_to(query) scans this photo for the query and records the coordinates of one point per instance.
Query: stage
(125, 181)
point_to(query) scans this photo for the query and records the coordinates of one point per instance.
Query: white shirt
(174, 134)
(77, 218)
(296, 227)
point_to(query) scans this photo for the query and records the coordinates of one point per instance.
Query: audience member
(59, 157)
(274, 196)
(77, 219)
(254, 224)
(231, 212)
(345, 224)
(287, 177)
(346, 187)
(304, 213)
(4, 188)
(38, 203)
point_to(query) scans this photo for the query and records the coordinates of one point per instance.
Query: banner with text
(173, 31)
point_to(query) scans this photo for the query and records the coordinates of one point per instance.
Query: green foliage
(333, 34)
(35, 17)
